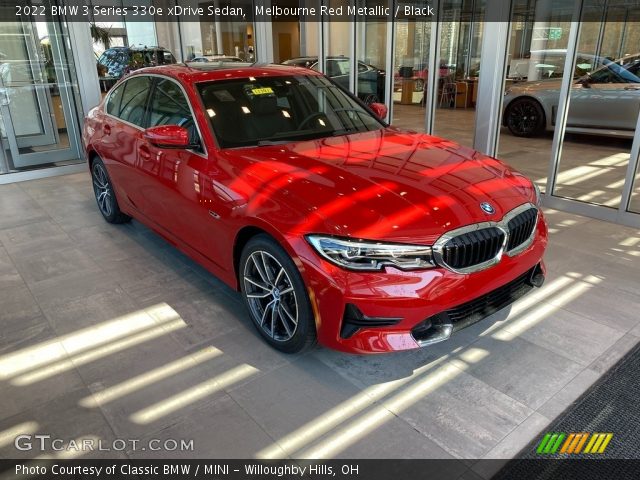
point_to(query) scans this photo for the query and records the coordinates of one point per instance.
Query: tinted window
(113, 103)
(133, 101)
(170, 107)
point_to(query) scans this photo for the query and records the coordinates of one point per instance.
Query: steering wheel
(308, 119)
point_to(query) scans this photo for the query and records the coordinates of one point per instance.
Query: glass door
(603, 106)
(39, 121)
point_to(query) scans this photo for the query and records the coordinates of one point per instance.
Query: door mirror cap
(168, 136)
(380, 110)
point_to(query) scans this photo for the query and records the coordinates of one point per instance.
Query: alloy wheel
(524, 118)
(271, 296)
(102, 189)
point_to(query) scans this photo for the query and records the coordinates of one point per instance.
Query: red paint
(382, 185)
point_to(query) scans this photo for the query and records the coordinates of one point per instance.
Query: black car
(118, 61)
(370, 78)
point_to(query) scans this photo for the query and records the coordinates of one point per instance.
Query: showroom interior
(116, 329)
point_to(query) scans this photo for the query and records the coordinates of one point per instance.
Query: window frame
(145, 104)
(147, 116)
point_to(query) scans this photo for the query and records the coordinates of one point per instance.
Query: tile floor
(108, 332)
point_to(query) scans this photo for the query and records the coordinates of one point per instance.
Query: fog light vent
(353, 320)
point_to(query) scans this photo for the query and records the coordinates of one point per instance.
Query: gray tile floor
(107, 332)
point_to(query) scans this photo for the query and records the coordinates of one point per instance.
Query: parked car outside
(333, 226)
(370, 78)
(604, 101)
(216, 58)
(119, 61)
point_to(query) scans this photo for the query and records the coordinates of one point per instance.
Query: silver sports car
(603, 102)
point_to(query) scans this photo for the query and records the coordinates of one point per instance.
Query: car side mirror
(380, 110)
(168, 136)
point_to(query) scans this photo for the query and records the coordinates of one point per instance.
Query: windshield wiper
(346, 131)
(266, 143)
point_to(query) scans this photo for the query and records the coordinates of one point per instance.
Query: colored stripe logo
(574, 443)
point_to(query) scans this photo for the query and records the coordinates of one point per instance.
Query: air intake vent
(521, 227)
(473, 248)
(353, 320)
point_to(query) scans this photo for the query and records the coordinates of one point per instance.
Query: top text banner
(110, 11)
(215, 10)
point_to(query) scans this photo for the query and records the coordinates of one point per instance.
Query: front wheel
(275, 296)
(525, 118)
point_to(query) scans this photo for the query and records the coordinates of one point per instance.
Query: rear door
(122, 131)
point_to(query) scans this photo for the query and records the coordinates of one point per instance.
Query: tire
(105, 196)
(525, 118)
(275, 296)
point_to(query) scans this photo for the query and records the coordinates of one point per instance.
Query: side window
(113, 103)
(170, 107)
(132, 105)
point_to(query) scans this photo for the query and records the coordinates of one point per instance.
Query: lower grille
(353, 320)
(473, 248)
(521, 227)
(475, 310)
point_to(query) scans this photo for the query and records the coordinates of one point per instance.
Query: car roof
(199, 72)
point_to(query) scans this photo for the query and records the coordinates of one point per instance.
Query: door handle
(106, 129)
(144, 152)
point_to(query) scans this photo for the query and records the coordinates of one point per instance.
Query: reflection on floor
(592, 169)
(108, 332)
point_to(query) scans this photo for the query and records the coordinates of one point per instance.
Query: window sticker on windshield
(224, 96)
(262, 91)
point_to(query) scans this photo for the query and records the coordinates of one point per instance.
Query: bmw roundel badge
(487, 208)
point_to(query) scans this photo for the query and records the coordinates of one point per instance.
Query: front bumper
(411, 302)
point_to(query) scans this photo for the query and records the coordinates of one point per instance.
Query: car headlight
(538, 194)
(369, 255)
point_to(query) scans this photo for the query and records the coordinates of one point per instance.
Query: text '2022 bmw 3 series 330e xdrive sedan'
(333, 226)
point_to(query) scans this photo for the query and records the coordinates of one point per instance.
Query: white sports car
(603, 102)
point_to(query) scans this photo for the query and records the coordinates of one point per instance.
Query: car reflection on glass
(370, 78)
(604, 101)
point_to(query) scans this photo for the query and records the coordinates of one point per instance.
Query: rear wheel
(105, 196)
(525, 118)
(275, 296)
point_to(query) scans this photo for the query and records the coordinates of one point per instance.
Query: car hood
(383, 185)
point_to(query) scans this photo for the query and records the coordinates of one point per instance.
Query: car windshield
(612, 72)
(270, 110)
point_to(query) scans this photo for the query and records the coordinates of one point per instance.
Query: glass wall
(410, 72)
(535, 68)
(371, 48)
(604, 101)
(38, 92)
(210, 38)
(461, 31)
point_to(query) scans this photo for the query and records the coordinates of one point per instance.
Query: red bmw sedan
(334, 226)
